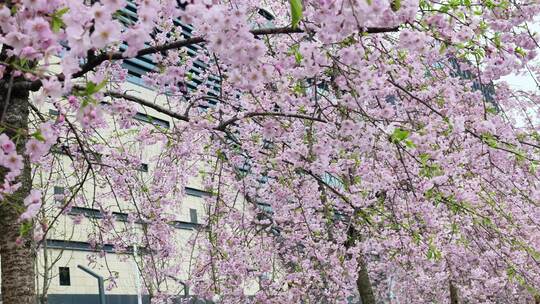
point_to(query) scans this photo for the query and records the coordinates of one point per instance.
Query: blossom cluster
(367, 143)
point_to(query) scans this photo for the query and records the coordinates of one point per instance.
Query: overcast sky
(525, 82)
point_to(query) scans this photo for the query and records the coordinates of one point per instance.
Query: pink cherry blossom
(35, 149)
(371, 142)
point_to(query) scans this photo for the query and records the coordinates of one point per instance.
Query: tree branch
(149, 104)
(110, 56)
(223, 125)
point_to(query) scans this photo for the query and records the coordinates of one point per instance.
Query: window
(64, 276)
(193, 216)
(58, 194)
(143, 167)
(153, 120)
(142, 65)
(53, 112)
(196, 192)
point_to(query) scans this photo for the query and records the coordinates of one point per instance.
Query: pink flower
(30, 212)
(48, 133)
(135, 38)
(14, 162)
(33, 198)
(114, 4)
(6, 144)
(17, 40)
(40, 28)
(100, 12)
(37, 5)
(105, 33)
(30, 53)
(33, 204)
(52, 87)
(35, 149)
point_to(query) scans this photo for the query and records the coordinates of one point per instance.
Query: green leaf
(409, 144)
(399, 135)
(61, 11)
(490, 140)
(424, 157)
(533, 166)
(299, 88)
(25, 229)
(92, 87)
(396, 5)
(491, 110)
(520, 51)
(433, 253)
(37, 135)
(497, 40)
(510, 272)
(416, 237)
(298, 56)
(56, 19)
(443, 48)
(296, 12)
(294, 50)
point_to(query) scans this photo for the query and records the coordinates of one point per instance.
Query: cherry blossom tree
(351, 149)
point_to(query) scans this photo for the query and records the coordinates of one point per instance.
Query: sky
(525, 82)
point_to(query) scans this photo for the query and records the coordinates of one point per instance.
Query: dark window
(193, 216)
(64, 276)
(142, 65)
(143, 168)
(58, 191)
(196, 192)
(153, 120)
(53, 112)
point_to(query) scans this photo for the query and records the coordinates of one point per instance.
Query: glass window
(64, 276)
(58, 194)
(193, 215)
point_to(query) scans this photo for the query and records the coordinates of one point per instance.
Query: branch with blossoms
(95, 61)
(220, 127)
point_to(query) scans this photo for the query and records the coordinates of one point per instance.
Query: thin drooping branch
(149, 104)
(117, 55)
(221, 127)
(225, 124)
(467, 130)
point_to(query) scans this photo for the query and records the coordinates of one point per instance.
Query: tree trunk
(17, 261)
(454, 297)
(363, 283)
